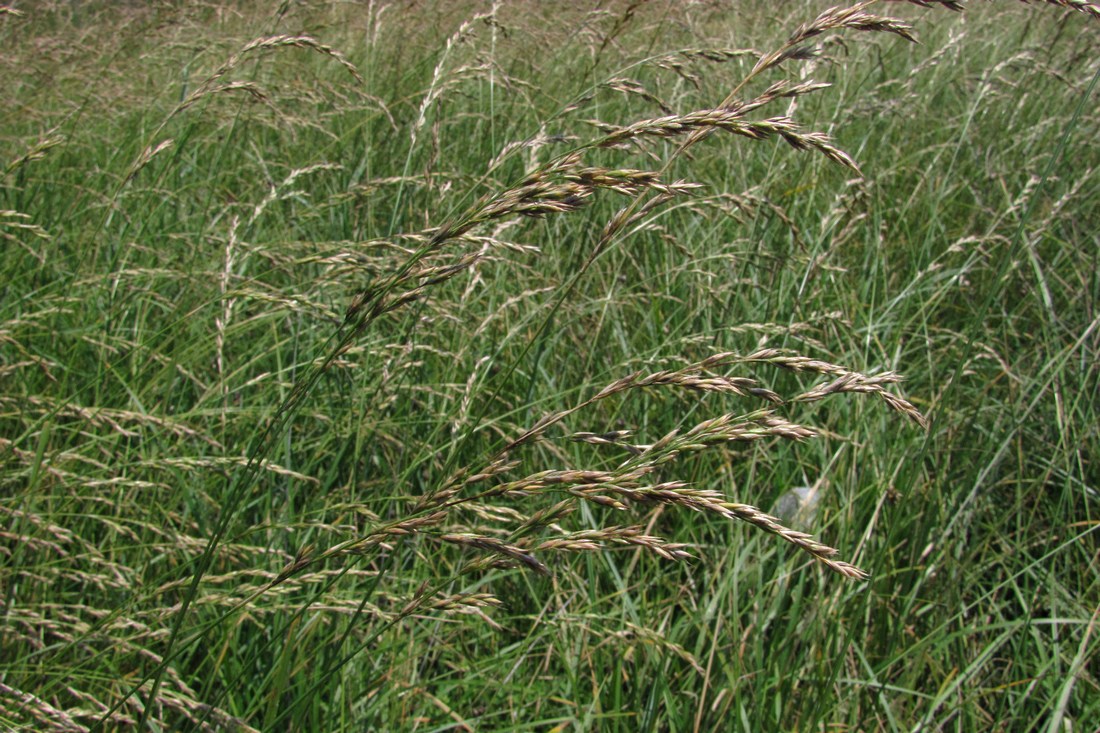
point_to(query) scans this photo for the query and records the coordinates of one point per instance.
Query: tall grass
(373, 367)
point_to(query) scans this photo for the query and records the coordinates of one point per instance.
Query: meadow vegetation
(433, 366)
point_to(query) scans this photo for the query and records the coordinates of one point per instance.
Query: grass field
(432, 365)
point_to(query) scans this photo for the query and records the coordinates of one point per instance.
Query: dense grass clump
(373, 367)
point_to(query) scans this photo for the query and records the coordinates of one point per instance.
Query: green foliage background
(181, 241)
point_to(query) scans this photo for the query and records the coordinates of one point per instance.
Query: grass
(428, 368)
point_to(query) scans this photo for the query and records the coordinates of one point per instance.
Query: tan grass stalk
(497, 547)
(595, 540)
(846, 381)
(1089, 7)
(633, 87)
(49, 717)
(949, 4)
(706, 500)
(38, 150)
